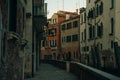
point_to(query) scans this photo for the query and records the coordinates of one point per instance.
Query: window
(100, 30)
(97, 10)
(112, 4)
(50, 32)
(12, 17)
(52, 43)
(89, 1)
(93, 12)
(75, 37)
(85, 34)
(68, 25)
(84, 17)
(101, 46)
(47, 32)
(93, 31)
(46, 43)
(75, 24)
(68, 39)
(90, 32)
(63, 27)
(53, 31)
(55, 21)
(37, 11)
(44, 34)
(85, 49)
(90, 13)
(112, 25)
(101, 8)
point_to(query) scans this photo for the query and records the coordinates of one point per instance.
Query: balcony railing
(83, 72)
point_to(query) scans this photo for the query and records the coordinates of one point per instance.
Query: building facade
(27, 35)
(39, 21)
(70, 44)
(117, 32)
(52, 35)
(17, 41)
(100, 33)
(14, 39)
(83, 43)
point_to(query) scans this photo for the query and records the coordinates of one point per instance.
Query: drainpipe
(32, 38)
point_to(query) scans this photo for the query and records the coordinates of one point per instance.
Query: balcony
(39, 2)
(39, 23)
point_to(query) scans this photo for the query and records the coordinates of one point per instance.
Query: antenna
(79, 3)
(63, 4)
(57, 4)
(76, 4)
(83, 3)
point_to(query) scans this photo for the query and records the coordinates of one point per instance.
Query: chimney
(77, 11)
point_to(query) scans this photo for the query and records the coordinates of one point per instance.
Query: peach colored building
(70, 46)
(51, 46)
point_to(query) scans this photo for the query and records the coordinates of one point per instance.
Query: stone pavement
(49, 72)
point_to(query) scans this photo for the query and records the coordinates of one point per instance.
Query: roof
(71, 18)
(62, 13)
(67, 12)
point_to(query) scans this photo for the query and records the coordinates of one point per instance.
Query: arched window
(112, 4)
(90, 31)
(112, 25)
(101, 8)
(93, 31)
(89, 14)
(93, 12)
(101, 29)
(97, 10)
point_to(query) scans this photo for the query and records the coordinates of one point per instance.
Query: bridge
(65, 70)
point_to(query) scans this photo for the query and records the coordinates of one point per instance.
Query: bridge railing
(83, 72)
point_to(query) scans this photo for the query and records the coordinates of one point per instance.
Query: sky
(67, 5)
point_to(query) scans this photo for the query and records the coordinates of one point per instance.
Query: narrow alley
(59, 40)
(49, 72)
